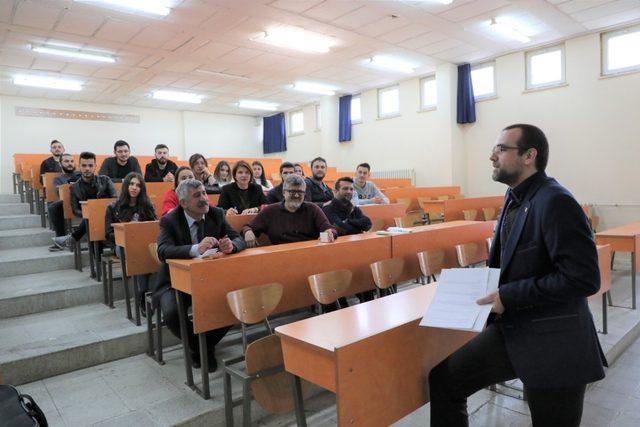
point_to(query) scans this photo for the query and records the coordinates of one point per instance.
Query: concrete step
(11, 222)
(16, 262)
(25, 238)
(13, 209)
(9, 198)
(41, 292)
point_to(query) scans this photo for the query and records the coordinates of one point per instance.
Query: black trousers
(169, 307)
(482, 362)
(56, 217)
(79, 232)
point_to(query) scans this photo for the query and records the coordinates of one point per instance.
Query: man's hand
(232, 211)
(250, 238)
(493, 299)
(225, 245)
(169, 177)
(377, 200)
(207, 243)
(250, 211)
(330, 236)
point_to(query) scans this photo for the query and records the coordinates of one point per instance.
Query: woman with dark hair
(297, 167)
(133, 204)
(222, 173)
(259, 176)
(170, 200)
(242, 196)
(200, 168)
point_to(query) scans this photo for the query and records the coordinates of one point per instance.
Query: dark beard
(162, 161)
(504, 177)
(68, 170)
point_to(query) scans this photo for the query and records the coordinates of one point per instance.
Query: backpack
(19, 410)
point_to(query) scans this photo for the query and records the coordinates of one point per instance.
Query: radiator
(396, 174)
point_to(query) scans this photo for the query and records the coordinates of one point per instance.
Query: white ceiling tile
(119, 31)
(627, 16)
(178, 66)
(163, 79)
(185, 83)
(153, 36)
(439, 46)
(360, 17)
(404, 33)
(423, 40)
(573, 6)
(332, 9)
(611, 8)
(191, 13)
(15, 60)
(383, 25)
(109, 73)
(36, 14)
(150, 61)
(79, 23)
(240, 54)
(47, 65)
(222, 21)
(295, 5)
(470, 10)
(80, 69)
(214, 50)
(6, 8)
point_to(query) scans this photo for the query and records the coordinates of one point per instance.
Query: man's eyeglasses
(501, 148)
(297, 193)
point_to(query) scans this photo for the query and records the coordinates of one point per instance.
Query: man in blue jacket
(541, 330)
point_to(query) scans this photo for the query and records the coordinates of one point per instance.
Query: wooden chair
(431, 263)
(434, 212)
(490, 214)
(263, 373)
(405, 201)
(328, 288)
(386, 274)
(470, 254)
(152, 308)
(411, 219)
(65, 195)
(470, 214)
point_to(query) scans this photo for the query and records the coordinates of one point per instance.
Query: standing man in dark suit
(541, 330)
(187, 232)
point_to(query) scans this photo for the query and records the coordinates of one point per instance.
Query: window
(389, 102)
(356, 109)
(483, 79)
(428, 93)
(545, 67)
(620, 52)
(296, 122)
(318, 118)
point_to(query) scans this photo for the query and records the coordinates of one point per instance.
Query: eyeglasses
(297, 193)
(501, 148)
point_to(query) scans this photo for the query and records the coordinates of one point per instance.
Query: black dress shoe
(213, 364)
(195, 360)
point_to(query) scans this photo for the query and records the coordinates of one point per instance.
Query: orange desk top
(626, 230)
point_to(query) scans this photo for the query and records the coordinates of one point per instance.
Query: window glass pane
(356, 111)
(623, 51)
(297, 122)
(546, 67)
(389, 102)
(429, 93)
(482, 80)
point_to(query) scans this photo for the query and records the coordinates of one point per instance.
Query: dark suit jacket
(549, 265)
(174, 240)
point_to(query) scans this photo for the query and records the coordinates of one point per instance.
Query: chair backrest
(443, 197)
(470, 214)
(489, 214)
(411, 219)
(329, 286)
(387, 272)
(153, 251)
(254, 304)
(65, 195)
(469, 254)
(405, 201)
(431, 262)
(377, 224)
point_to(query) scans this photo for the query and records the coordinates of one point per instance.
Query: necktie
(200, 225)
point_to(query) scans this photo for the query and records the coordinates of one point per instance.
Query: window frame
(493, 94)
(291, 114)
(359, 97)
(430, 107)
(563, 65)
(387, 89)
(604, 50)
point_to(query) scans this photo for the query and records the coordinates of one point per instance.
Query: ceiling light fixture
(445, 1)
(311, 87)
(47, 82)
(257, 105)
(73, 53)
(170, 95)
(391, 63)
(153, 7)
(507, 30)
(221, 74)
(297, 39)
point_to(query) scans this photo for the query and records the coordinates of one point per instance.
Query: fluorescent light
(311, 87)
(221, 74)
(508, 30)
(73, 53)
(257, 105)
(391, 63)
(154, 7)
(170, 95)
(445, 1)
(47, 82)
(297, 39)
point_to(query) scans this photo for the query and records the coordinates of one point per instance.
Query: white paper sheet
(209, 252)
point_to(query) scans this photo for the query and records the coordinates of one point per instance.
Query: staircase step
(11, 222)
(15, 262)
(40, 292)
(13, 209)
(10, 198)
(25, 237)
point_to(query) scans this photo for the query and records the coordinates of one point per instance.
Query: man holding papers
(541, 330)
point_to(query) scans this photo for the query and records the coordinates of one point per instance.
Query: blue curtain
(344, 125)
(274, 137)
(466, 101)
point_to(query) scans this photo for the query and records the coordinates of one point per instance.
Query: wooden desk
(604, 264)
(374, 356)
(239, 221)
(156, 192)
(50, 191)
(624, 239)
(385, 213)
(414, 192)
(93, 211)
(453, 207)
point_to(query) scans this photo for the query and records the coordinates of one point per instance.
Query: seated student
(298, 169)
(55, 210)
(200, 168)
(161, 168)
(317, 190)
(292, 220)
(342, 214)
(275, 194)
(259, 176)
(52, 164)
(222, 173)
(170, 200)
(242, 196)
(89, 186)
(118, 166)
(132, 205)
(187, 232)
(366, 192)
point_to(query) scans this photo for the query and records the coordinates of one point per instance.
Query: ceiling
(170, 52)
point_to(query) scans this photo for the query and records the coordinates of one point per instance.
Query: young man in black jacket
(161, 169)
(118, 166)
(317, 191)
(342, 214)
(56, 213)
(52, 164)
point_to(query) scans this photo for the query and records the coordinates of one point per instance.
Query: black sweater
(347, 219)
(232, 196)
